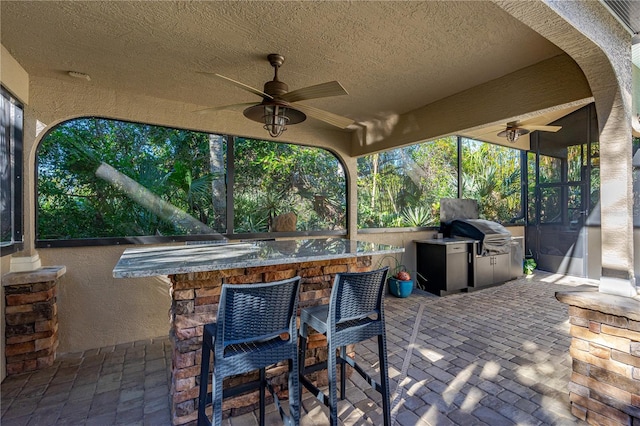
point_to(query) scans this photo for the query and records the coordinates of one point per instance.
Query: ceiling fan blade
(542, 128)
(240, 85)
(323, 90)
(223, 107)
(327, 117)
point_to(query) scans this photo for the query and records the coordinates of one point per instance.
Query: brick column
(605, 348)
(195, 299)
(31, 317)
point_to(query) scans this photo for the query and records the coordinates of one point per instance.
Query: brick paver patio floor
(498, 356)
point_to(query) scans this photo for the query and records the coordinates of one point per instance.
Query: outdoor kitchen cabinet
(444, 263)
(493, 269)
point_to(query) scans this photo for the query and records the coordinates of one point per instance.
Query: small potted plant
(400, 284)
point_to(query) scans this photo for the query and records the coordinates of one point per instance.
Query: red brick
(625, 358)
(607, 364)
(15, 368)
(183, 294)
(28, 337)
(579, 412)
(208, 292)
(335, 269)
(46, 325)
(209, 300)
(185, 395)
(279, 275)
(31, 365)
(46, 343)
(46, 361)
(310, 272)
(599, 351)
(614, 342)
(18, 309)
(185, 384)
(185, 285)
(621, 332)
(183, 360)
(23, 299)
(183, 373)
(594, 327)
(243, 279)
(19, 348)
(602, 388)
(193, 320)
(612, 416)
(183, 420)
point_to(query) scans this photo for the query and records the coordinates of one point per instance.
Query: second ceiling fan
(279, 107)
(514, 130)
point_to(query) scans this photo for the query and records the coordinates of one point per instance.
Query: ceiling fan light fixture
(275, 116)
(513, 133)
(275, 120)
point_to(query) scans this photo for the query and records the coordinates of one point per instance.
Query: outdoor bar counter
(196, 273)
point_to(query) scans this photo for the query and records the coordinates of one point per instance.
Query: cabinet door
(501, 268)
(484, 271)
(457, 270)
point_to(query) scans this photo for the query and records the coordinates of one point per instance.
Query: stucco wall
(95, 309)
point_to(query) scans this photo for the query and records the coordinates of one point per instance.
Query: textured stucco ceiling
(392, 57)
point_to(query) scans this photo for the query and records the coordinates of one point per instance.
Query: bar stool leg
(217, 397)
(294, 392)
(204, 381)
(384, 379)
(343, 372)
(333, 386)
(263, 381)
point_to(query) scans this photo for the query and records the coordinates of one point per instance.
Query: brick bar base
(195, 303)
(31, 317)
(605, 348)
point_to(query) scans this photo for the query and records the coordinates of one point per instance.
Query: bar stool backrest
(357, 295)
(257, 312)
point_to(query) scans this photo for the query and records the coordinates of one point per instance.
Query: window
(403, 187)
(491, 174)
(11, 174)
(108, 182)
(272, 179)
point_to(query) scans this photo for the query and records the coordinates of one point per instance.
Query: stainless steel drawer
(456, 248)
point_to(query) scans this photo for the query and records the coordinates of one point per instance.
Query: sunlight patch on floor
(490, 370)
(456, 384)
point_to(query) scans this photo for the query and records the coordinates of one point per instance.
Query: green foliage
(74, 203)
(272, 179)
(183, 169)
(403, 187)
(529, 266)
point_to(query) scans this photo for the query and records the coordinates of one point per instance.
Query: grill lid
(494, 238)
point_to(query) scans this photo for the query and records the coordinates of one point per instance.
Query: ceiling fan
(279, 107)
(514, 130)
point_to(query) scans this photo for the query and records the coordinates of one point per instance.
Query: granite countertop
(445, 241)
(167, 260)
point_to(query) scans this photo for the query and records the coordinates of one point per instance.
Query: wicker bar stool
(249, 334)
(355, 313)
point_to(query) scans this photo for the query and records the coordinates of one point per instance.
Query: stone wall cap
(44, 274)
(612, 304)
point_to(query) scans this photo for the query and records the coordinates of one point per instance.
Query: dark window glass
(10, 174)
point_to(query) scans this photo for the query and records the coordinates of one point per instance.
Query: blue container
(400, 288)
